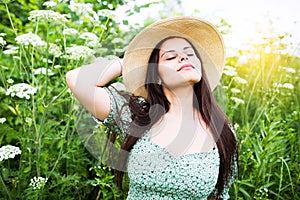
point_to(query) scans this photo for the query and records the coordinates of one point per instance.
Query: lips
(186, 66)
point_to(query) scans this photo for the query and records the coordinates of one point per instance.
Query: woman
(180, 143)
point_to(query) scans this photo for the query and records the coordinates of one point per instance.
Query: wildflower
(57, 66)
(47, 15)
(46, 60)
(237, 100)
(235, 90)
(9, 151)
(44, 71)
(2, 34)
(28, 120)
(49, 4)
(29, 39)
(240, 80)
(90, 38)
(55, 50)
(38, 182)
(77, 52)
(107, 13)
(2, 41)
(70, 31)
(21, 90)
(10, 49)
(287, 69)
(2, 120)
(229, 71)
(10, 81)
(85, 11)
(285, 85)
(288, 86)
(117, 40)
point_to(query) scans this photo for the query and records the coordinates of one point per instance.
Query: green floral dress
(155, 173)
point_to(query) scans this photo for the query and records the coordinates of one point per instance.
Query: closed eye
(171, 58)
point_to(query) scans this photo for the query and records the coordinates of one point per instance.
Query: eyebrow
(187, 47)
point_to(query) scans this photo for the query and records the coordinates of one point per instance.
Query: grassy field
(47, 159)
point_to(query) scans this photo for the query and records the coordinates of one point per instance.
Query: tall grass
(259, 92)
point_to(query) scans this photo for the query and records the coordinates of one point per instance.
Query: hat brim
(203, 35)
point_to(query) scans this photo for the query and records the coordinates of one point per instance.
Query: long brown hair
(143, 117)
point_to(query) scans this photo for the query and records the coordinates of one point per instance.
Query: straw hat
(204, 36)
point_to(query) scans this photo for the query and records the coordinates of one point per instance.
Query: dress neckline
(147, 137)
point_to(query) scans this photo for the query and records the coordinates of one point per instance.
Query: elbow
(70, 79)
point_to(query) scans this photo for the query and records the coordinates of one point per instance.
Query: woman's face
(178, 63)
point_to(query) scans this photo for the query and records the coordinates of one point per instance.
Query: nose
(182, 57)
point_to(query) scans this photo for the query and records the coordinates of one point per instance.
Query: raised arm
(87, 81)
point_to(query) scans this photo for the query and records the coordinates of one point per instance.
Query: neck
(181, 100)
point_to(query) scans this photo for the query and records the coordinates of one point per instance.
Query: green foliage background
(255, 92)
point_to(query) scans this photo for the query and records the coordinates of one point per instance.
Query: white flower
(49, 4)
(2, 120)
(47, 15)
(9, 151)
(2, 34)
(288, 86)
(55, 50)
(235, 90)
(229, 71)
(57, 66)
(287, 69)
(85, 11)
(107, 13)
(240, 80)
(2, 41)
(90, 38)
(44, 71)
(38, 182)
(237, 100)
(285, 85)
(117, 40)
(70, 31)
(10, 81)
(10, 49)
(78, 52)
(30, 39)
(21, 90)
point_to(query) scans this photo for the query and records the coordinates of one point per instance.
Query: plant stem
(10, 20)
(7, 192)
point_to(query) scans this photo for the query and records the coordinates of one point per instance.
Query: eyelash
(171, 58)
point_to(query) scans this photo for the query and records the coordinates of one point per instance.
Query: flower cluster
(229, 71)
(2, 41)
(70, 31)
(237, 100)
(49, 4)
(2, 120)
(284, 85)
(9, 151)
(10, 49)
(90, 38)
(21, 90)
(44, 71)
(85, 11)
(287, 69)
(38, 182)
(47, 15)
(55, 50)
(30, 39)
(77, 52)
